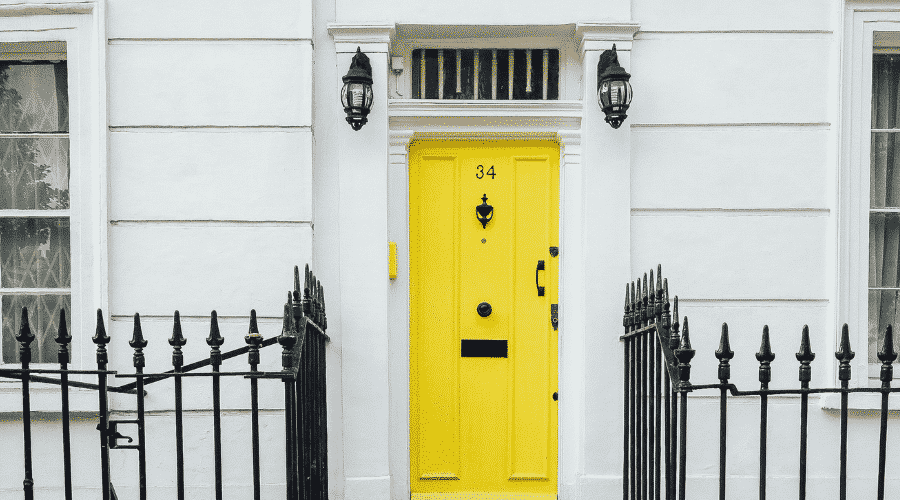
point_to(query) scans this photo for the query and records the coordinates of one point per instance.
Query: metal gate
(657, 383)
(303, 342)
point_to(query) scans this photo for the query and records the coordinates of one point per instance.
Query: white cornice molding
(601, 36)
(373, 37)
(489, 31)
(483, 135)
(474, 108)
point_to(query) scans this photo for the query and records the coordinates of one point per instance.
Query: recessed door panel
(483, 353)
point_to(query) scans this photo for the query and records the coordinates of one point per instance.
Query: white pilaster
(606, 156)
(362, 166)
(572, 308)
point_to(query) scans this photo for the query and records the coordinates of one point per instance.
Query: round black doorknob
(484, 309)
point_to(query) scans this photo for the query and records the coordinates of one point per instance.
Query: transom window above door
(485, 74)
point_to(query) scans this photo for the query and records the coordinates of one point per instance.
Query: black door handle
(540, 267)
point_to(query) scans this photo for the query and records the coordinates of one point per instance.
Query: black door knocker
(484, 211)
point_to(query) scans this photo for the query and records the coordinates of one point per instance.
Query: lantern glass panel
(369, 96)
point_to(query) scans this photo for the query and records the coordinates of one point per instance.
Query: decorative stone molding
(570, 144)
(601, 36)
(368, 37)
(446, 116)
(398, 145)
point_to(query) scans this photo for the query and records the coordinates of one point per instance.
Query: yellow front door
(483, 349)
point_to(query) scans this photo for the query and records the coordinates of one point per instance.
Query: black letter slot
(472, 348)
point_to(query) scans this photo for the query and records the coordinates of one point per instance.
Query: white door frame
(411, 120)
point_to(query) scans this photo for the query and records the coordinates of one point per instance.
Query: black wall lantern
(613, 89)
(356, 95)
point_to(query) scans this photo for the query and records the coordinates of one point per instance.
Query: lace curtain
(34, 176)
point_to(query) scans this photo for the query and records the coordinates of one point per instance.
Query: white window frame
(82, 26)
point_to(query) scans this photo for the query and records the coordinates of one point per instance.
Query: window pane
(43, 318)
(34, 253)
(485, 73)
(33, 97)
(431, 74)
(883, 311)
(553, 75)
(34, 174)
(502, 75)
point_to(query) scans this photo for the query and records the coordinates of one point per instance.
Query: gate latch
(554, 316)
(113, 436)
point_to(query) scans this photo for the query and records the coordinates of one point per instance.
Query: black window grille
(485, 74)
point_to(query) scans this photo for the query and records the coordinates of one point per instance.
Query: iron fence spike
(765, 357)
(137, 342)
(724, 354)
(100, 336)
(765, 354)
(645, 287)
(844, 353)
(215, 337)
(62, 333)
(177, 339)
(724, 351)
(254, 329)
(25, 336)
(887, 354)
(673, 332)
(137, 337)
(805, 355)
(684, 354)
(296, 280)
(685, 343)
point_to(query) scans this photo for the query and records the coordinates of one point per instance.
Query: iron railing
(657, 361)
(303, 342)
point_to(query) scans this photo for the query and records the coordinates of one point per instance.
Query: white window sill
(862, 404)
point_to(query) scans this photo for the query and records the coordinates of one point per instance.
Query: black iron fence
(658, 355)
(302, 340)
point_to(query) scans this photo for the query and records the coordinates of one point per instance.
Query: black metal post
(177, 341)
(805, 357)
(724, 355)
(886, 355)
(663, 318)
(138, 343)
(844, 355)
(101, 339)
(765, 358)
(215, 341)
(684, 354)
(25, 338)
(287, 340)
(254, 340)
(674, 342)
(63, 338)
(626, 320)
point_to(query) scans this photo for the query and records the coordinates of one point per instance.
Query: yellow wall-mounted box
(392, 260)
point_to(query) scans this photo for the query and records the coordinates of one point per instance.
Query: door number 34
(481, 173)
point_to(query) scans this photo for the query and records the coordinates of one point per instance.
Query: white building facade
(208, 153)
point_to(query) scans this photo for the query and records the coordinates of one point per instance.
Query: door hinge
(554, 316)
(554, 251)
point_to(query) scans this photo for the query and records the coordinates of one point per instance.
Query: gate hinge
(554, 316)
